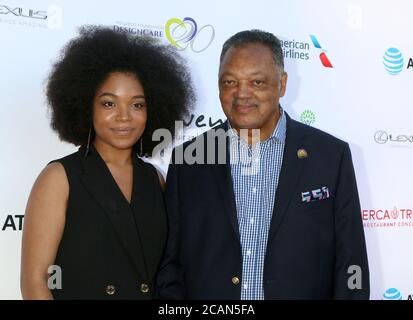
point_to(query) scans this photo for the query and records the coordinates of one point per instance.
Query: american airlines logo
(325, 61)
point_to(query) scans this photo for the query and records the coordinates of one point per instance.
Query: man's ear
(283, 83)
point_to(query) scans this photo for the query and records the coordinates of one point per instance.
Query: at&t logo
(393, 61)
(392, 294)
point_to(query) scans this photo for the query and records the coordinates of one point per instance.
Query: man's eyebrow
(229, 73)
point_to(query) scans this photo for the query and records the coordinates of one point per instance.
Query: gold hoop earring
(88, 143)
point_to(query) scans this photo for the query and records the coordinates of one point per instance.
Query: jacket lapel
(291, 169)
(222, 173)
(147, 219)
(99, 182)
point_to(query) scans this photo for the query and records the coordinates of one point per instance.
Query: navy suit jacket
(311, 245)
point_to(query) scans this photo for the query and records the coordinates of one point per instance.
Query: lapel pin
(302, 153)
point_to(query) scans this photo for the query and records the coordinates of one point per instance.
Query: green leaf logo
(307, 117)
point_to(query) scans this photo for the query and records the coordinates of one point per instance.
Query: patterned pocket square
(315, 195)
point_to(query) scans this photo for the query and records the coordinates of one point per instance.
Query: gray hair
(256, 36)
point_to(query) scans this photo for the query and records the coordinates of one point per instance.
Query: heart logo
(179, 31)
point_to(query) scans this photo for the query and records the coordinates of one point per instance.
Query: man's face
(250, 86)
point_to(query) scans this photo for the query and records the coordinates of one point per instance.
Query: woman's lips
(122, 131)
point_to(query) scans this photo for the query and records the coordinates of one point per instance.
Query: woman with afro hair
(95, 222)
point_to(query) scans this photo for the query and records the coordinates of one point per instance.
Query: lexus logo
(23, 12)
(381, 137)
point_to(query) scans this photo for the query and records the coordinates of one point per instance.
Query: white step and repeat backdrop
(350, 73)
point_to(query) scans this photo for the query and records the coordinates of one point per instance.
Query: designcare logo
(138, 29)
(393, 61)
(387, 218)
(185, 33)
(325, 61)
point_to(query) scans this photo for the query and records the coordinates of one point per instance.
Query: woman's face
(119, 111)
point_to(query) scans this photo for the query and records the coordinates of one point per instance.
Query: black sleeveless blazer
(110, 249)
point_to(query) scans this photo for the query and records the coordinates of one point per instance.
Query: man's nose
(243, 90)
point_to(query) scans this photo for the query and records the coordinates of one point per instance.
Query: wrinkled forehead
(248, 58)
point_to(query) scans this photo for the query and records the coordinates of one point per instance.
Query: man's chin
(247, 125)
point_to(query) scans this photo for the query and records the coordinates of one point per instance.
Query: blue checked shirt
(255, 172)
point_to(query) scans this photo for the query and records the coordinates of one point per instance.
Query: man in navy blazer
(262, 206)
